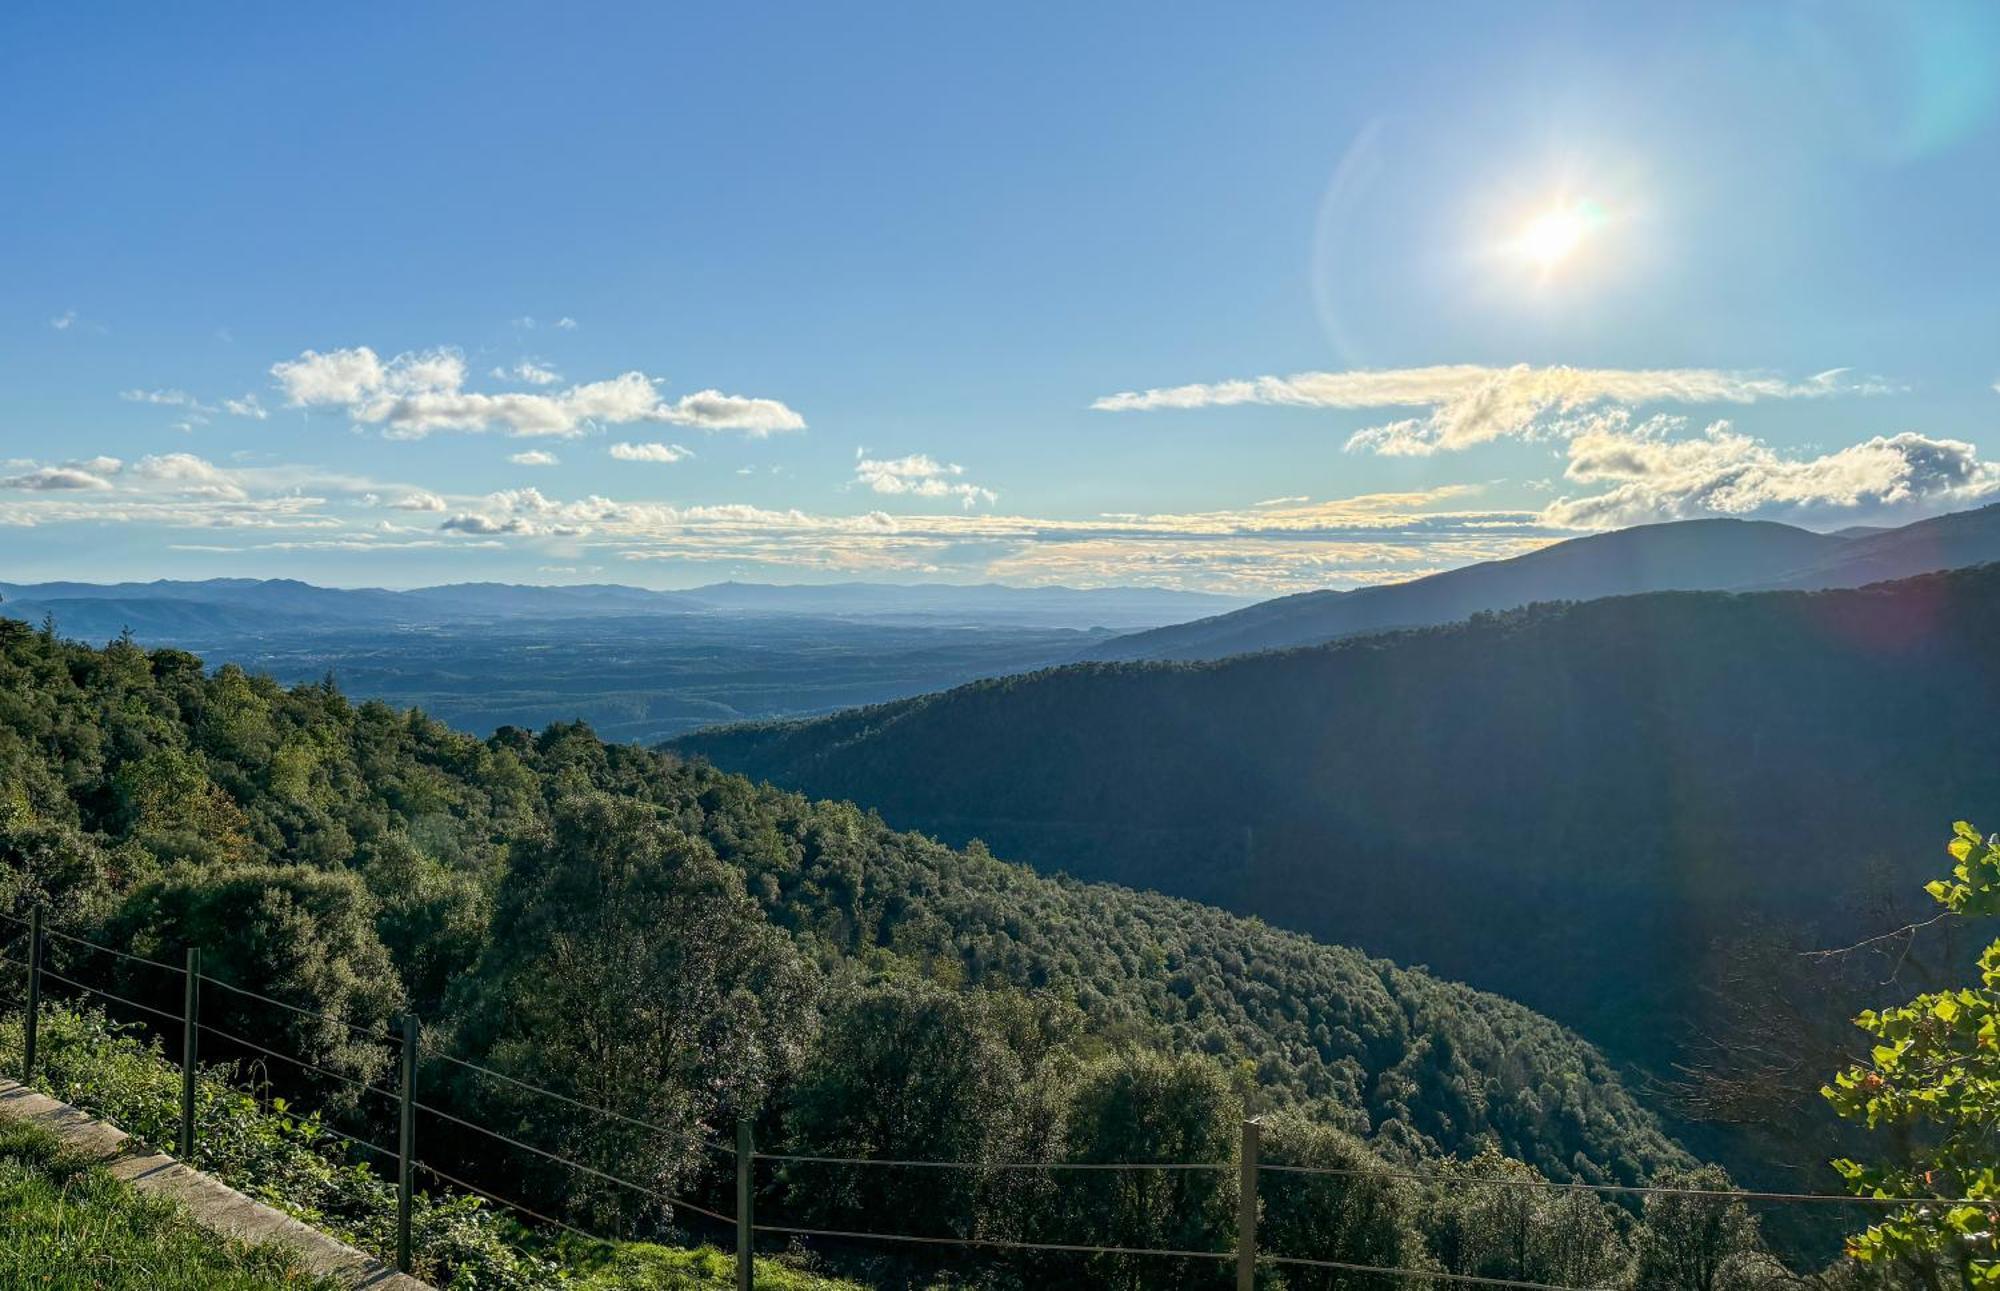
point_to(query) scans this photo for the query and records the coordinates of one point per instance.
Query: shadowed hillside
(1568, 804)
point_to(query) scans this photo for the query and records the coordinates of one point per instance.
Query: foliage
(1494, 798)
(292, 1161)
(627, 965)
(1933, 1084)
(67, 1225)
(683, 947)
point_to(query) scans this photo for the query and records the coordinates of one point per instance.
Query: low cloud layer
(1469, 404)
(418, 393)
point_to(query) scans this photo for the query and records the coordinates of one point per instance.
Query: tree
(1516, 1228)
(1143, 1106)
(1696, 1243)
(628, 969)
(300, 935)
(1933, 1084)
(1356, 1217)
(910, 1071)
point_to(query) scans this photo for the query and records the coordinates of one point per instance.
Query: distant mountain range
(204, 611)
(1575, 805)
(1690, 555)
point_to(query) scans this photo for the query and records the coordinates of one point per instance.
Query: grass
(65, 1223)
(286, 1160)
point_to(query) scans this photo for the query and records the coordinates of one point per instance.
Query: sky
(1249, 299)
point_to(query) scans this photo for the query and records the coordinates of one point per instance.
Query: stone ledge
(213, 1204)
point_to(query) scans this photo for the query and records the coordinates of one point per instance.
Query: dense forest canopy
(666, 939)
(1575, 805)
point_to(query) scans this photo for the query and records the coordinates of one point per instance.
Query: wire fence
(1248, 1168)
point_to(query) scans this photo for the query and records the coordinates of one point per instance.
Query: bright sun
(1554, 235)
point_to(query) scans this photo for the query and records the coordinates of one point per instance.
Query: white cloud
(1469, 404)
(247, 406)
(529, 372)
(533, 457)
(714, 410)
(663, 453)
(418, 500)
(1648, 474)
(188, 475)
(168, 398)
(414, 394)
(48, 479)
(920, 475)
(64, 321)
(566, 323)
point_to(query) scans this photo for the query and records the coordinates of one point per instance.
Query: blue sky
(1251, 298)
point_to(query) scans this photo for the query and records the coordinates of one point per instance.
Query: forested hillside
(1574, 805)
(680, 944)
(1685, 555)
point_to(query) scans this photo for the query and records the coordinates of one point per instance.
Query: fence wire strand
(122, 954)
(573, 1102)
(298, 1062)
(498, 1200)
(364, 1032)
(644, 1189)
(997, 1243)
(994, 1165)
(359, 1143)
(70, 981)
(1469, 1279)
(1624, 1189)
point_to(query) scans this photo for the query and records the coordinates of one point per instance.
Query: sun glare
(1555, 235)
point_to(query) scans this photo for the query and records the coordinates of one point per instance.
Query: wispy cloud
(1469, 404)
(417, 393)
(662, 453)
(920, 475)
(534, 457)
(529, 372)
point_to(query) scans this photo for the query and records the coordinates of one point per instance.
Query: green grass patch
(288, 1160)
(66, 1223)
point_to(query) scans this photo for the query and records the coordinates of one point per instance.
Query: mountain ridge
(1683, 555)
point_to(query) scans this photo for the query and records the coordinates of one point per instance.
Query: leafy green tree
(303, 936)
(1696, 1242)
(1360, 1216)
(1933, 1083)
(1142, 1106)
(904, 1070)
(1514, 1228)
(628, 969)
